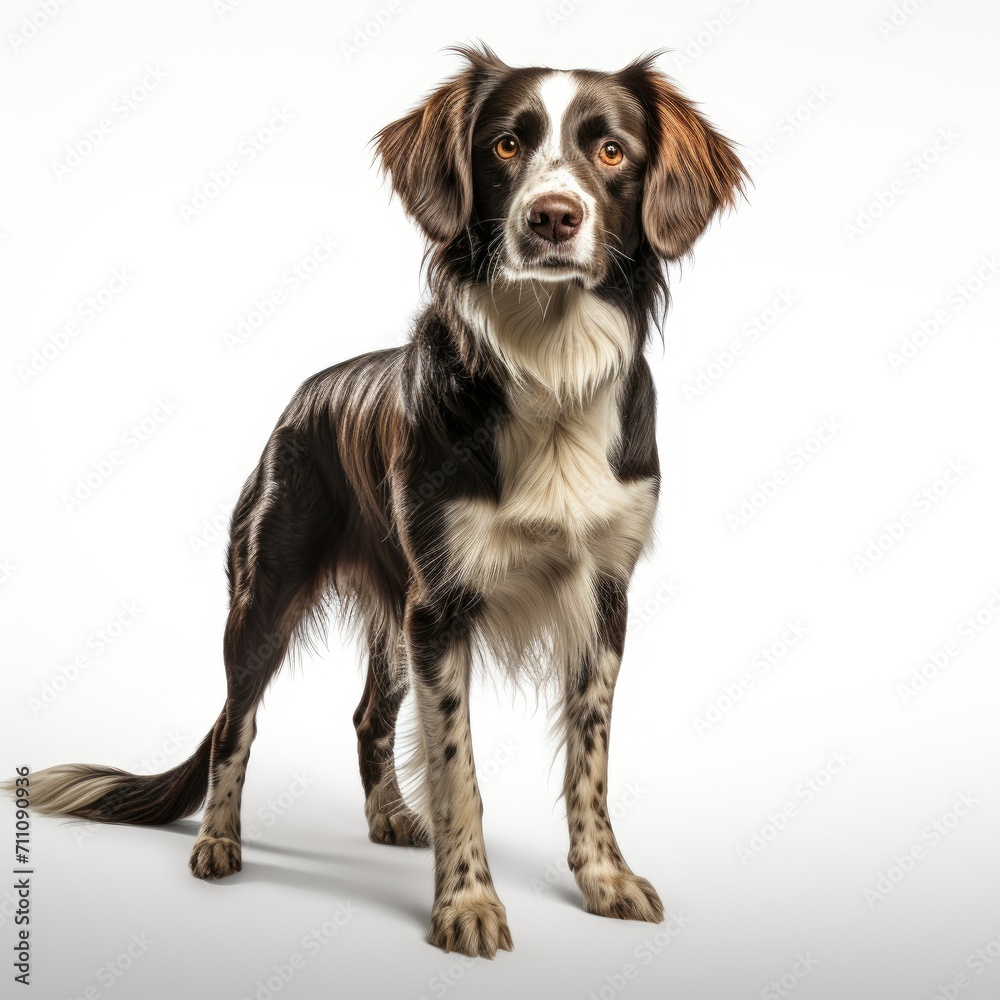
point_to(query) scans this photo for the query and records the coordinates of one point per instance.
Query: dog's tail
(109, 795)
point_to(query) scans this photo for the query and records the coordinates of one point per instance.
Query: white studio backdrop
(804, 751)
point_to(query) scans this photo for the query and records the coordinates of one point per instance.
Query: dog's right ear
(428, 153)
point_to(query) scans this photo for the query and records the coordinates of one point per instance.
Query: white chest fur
(563, 518)
(557, 336)
(558, 495)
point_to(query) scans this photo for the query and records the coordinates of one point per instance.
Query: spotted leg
(608, 885)
(467, 915)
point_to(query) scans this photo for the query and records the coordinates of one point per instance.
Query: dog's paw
(621, 895)
(216, 857)
(474, 925)
(403, 827)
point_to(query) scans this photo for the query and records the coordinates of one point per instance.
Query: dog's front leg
(467, 915)
(608, 885)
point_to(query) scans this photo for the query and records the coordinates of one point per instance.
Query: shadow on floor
(392, 878)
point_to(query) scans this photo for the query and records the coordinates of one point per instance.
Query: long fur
(482, 492)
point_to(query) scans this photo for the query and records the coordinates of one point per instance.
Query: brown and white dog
(484, 490)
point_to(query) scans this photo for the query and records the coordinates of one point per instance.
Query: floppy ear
(693, 171)
(428, 152)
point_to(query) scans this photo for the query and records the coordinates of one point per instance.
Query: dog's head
(559, 176)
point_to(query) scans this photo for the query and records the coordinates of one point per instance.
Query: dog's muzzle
(555, 218)
(550, 235)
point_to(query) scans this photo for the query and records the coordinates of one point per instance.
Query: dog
(480, 493)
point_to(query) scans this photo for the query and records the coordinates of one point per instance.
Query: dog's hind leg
(281, 539)
(390, 820)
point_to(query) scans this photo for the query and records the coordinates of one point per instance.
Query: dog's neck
(557, 339)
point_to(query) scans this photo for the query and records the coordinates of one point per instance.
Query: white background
(854, 217)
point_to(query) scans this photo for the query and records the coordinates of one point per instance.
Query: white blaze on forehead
(549, 171)
(556, 92)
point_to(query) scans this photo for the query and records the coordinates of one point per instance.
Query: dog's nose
(555, 217)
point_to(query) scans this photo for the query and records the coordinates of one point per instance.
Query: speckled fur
(480, 494)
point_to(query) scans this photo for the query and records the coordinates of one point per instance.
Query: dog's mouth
(552, 261)
(556, 262)
(552, 266)
(555, 259)
(552, 271)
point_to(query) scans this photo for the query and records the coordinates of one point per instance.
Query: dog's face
(558, 161)
(559, 176)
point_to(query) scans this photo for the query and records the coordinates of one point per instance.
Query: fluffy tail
(109, 795)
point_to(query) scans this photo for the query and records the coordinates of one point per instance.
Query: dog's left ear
(693, 170)
(428, 153)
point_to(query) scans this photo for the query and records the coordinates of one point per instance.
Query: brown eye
(507, 148)
(611, 154)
